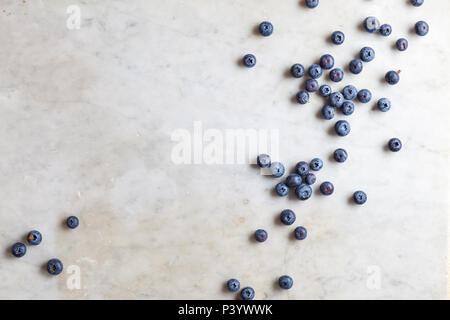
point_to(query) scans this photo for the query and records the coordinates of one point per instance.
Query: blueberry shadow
(294, 100)
(350, 201)
(8, 253)
(287, 74)
(331, 131)
(225, 289)
(240, 63)
(276, 285)
(319, 115)
(277, 221)
(255, 30)
(331, 157)
(252, 239)
(317, 191)
(43, 270)
(303, 4)
(386, 148)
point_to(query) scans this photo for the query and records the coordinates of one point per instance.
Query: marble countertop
(94, 96)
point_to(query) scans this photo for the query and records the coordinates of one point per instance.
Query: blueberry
(72, 222)
(416, 3)
(302, 168)
(326, 188)
(266, 28)
(303, 192)
(336, 99)
(311, 85)
(364, 96)
(371, 24)
(293, 180)
(328, 112)
(385, 29)
(302, 97)
(392, 77)
(342, 128)
(282, 189)
(310, 178)
(300, 233)
(402, 44)
(297, 70)
(263, 160)
(336, 75)
(349, 92)
(340, 155)
(327, 61)
(337, 37)
(395, 144)
(384, 104)
(19, 249)
(285, 282)
(347, 108)
(312, 3)
(261, 235)
(233, 285)
(367, 54)
(315, 71)
(325, 90)
(421, 28)
(249, 60)
(355, 66)
(54, 266)
(277, 169)
(316, 164)
(34, 237)
(247, 293)
(287, 217)
(360, 197)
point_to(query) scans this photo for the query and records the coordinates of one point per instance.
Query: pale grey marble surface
(86, 122)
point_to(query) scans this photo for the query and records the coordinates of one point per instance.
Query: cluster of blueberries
(302, 179)
(54, 266)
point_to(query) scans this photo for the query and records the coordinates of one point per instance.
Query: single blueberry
(392, 77)
(263, 160)
(261, 235)
(34, 237)
(277, 169)
(315, 71)
(287, 217)
(282, 189)
(416, 3)
(310, 178)
(402, 44)
(367, 54)
(302, 97)
(328, 112)
(54, 267)
(247, 293)
(326, 188)
(311, 85)
(325, 90)
(384, 104)
(347, 108)
(302, 168)
(233, 285)
(421, 28)
(340, 155)
(337, 37)
(342, 128)
(395, 144)
(364, 95)
(336, 75)
(316, 164)
(355, 66)
(249, 60)
(300, 233)
(371, 24)
(72, 222)
(327, 61)
(265, 28)
(312, 3)
(385, 29)
(336, 99)
(293, 180)
(303, 192)
(360, 197)
(349, 92)
(297, 70)
(285, 282)
(19, 249)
